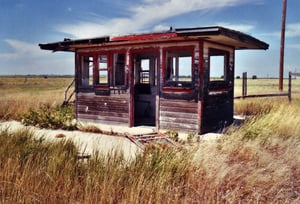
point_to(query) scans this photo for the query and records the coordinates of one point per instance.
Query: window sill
(219, 91)
(178, 89)
(101, 87)
(101, 90)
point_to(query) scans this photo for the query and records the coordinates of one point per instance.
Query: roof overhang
(215, 34)
(68, 44)
(224, 36)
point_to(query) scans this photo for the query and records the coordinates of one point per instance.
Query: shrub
(253, 107)
(51, 117)
(172, 134)
(193, 137)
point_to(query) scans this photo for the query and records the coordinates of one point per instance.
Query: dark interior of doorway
(145, 65)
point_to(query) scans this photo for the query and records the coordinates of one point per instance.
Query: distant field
(261, 86)
(18, 94)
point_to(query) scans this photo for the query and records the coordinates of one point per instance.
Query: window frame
(106, 69)
(178, 85)
(113, 82)
(222, 82)
(89, 73)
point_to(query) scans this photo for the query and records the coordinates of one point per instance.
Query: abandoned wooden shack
(166, 79)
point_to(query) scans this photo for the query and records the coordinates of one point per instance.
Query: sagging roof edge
(66, 44)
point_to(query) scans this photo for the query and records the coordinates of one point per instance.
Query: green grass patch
(58, 117)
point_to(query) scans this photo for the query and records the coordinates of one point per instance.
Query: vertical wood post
(244, 85)
(290, 86)
(281, 63)
(159, 70)
(130, 62)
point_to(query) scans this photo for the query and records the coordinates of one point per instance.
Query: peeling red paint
(145, 37)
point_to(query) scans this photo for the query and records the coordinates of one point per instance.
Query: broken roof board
(216, 34)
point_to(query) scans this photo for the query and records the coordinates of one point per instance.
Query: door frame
(132, 54)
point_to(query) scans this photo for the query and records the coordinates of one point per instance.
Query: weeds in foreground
(264, 168)
(258, 162)
(50, 172)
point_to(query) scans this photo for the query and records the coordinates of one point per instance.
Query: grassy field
(18, 94)
(257, 162)
(262, 86)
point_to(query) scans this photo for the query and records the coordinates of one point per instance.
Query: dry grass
(262, 86)
(257, 162)
(252, 164)
(19, 94)
(34, 171)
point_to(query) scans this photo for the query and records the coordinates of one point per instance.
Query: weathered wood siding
(178, 115)
(217, 96)
(217, 112)
(112, 109)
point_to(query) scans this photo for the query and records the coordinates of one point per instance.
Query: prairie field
(255, 162)
(20, 93)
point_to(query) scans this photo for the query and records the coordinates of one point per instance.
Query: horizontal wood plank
(179, 115)
(103, 118)
(178, 120)
(103, 122)
(179, 127)
(103, 113)
(102, 109)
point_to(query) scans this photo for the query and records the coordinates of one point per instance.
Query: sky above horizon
(26, 23)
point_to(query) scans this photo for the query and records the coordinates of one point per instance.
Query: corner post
(244, 85)
(290, 86)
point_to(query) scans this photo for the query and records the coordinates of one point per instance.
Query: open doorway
(145, 88)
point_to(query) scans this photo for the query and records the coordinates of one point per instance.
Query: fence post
(244, 85)
(290, 86)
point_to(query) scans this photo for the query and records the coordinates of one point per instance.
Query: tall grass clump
(277, 119)
(35, 171)
(155, 176)
(253, 107)
(258, 162)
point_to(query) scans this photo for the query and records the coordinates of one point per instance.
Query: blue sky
(26, 23)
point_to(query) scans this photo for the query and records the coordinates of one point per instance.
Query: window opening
(179, 68)
(103, 69)
(87, 68)
(145, 71)
(218, 61)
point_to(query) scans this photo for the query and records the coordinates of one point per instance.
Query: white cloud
(294, 46)
(246, 28)
(22, 50)
(145, 14)
(28, 58)
(293, 30)
(161, 27)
